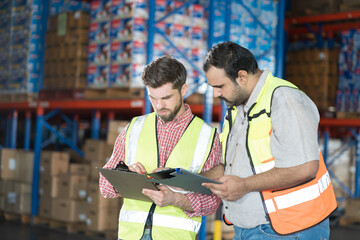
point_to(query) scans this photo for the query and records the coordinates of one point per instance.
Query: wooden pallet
(18, 97)
(24, 97)
(61, 94)
(95, 93)
(108, 234)
(346, 221)
(68, 226)
(114, 93)
(24, 218)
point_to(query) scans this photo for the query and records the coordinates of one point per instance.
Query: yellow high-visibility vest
(190, 153)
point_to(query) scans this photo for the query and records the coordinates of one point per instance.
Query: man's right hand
(137, 167)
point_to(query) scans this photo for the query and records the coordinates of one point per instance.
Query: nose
(217, 92)
(159, 104)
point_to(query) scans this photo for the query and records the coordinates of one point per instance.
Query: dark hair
(232, 58)
(164, 70)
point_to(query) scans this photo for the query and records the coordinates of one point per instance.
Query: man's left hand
(231, 189)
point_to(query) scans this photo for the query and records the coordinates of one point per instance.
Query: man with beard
(172, 137)
(275, 181)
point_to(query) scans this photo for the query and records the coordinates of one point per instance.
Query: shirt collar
(254, 94)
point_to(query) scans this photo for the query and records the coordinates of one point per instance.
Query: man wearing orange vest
(276, 182)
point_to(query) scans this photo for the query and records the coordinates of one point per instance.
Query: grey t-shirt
(293, 142)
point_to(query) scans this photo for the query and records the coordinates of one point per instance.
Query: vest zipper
(149, 220)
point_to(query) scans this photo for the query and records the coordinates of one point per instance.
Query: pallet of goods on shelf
(349, 5)
(20, 30)
(301, 8)
(66, 49)
(15, 182)
(314, 71)
(348, 88)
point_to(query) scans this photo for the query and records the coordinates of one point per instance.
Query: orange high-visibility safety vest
(292, 209)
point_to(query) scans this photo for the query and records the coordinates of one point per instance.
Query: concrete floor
(12, 230)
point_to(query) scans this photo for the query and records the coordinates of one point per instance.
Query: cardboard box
(10, 168)
(12, 196)
(68, 210)
(95, 200)
(71, 186)
(26, 161)
(74, 156)
(80, 168)
(94, 173)
(352, 208)
(25, 198)
(48, 185)
(97, 150)
(54, 163)
(102, 219)
(45, 207)
(115, 127)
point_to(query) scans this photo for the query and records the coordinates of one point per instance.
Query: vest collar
(254, 94)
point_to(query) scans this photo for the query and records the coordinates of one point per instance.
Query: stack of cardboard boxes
(15, 181)
(102, 214)
(315, 72)
(97, 153)
(66, 51)
(68, 188)
(52, 165)
(69, 192)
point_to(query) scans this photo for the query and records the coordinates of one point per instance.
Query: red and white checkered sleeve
(106, 189)
(204, 205)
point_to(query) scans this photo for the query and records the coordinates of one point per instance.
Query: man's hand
(231, 189)
(162, 198)
(137, 167)
(166, 197)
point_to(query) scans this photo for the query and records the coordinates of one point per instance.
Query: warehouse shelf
(352, 129)
(324, 23)
(346, 129)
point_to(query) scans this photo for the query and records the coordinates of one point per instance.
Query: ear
(242, 77)
(183, 89)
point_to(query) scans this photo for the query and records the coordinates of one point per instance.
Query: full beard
(240, 96)
(172, 114)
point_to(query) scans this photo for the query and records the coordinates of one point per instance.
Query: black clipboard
(128, 184)
(182, 178)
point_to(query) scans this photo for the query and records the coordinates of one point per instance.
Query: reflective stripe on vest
(133, 139)
(264, 167)
(200, 150)
(299, 196)
(161, 220)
